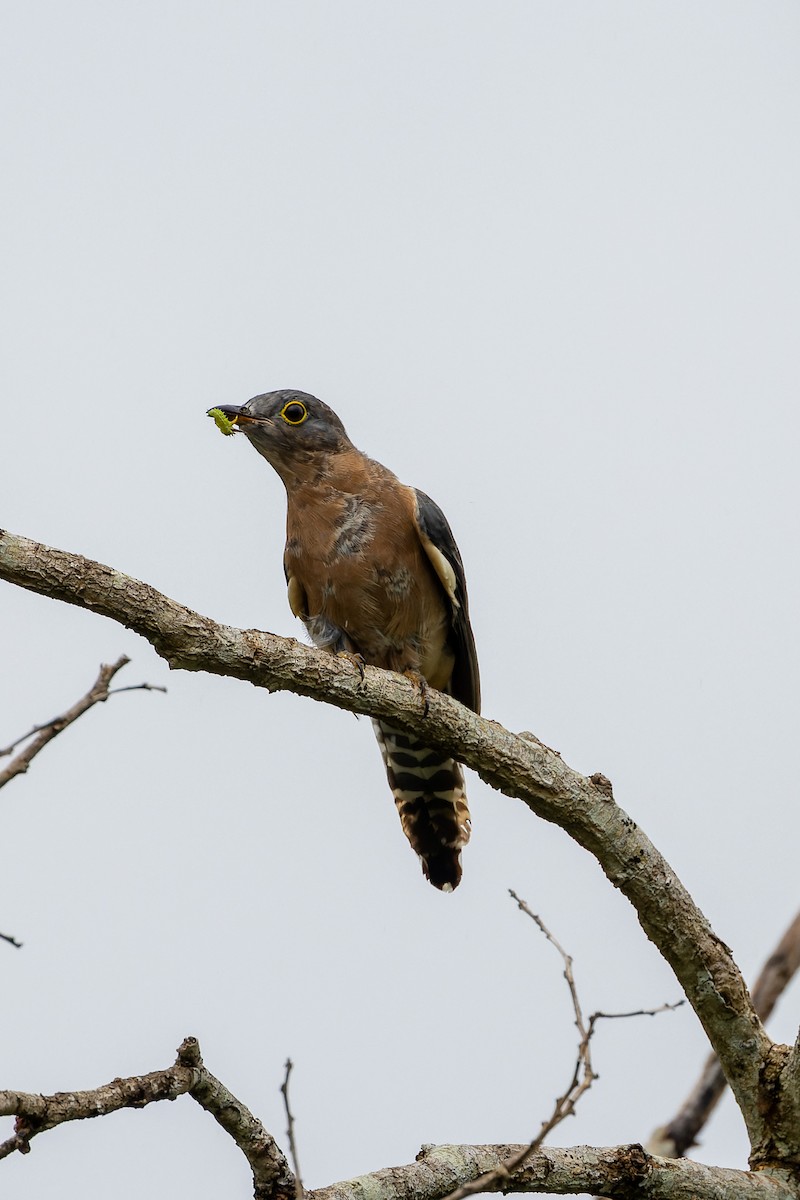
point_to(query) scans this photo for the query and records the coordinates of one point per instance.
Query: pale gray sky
(542, 258)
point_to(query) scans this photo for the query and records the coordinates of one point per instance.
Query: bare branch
(6, 937)
(625, 1172)
(680, 1134)
(272, 1179)
(98, 693)
(299, 1189)
(778, 970)
(35, 1114)
(518, 766)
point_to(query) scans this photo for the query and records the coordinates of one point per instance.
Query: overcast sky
(542, 259)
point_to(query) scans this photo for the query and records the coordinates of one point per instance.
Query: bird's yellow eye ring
(294, 412)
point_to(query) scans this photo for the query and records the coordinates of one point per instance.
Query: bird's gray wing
(438, 541)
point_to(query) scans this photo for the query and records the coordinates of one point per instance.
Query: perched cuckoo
(373, 570)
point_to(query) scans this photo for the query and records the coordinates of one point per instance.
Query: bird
(373, 571)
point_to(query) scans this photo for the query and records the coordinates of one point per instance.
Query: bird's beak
(235, 414)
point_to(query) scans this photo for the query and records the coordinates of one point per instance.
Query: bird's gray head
(291, 429)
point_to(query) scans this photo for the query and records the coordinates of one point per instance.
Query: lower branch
(620, 1171)
(272, 1179)
(36, 1114)
(624, 1172)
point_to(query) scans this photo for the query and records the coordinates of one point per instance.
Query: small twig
(12, 940)
(639, 1012)
(298, 1182)
(42, 734)
(138, 687)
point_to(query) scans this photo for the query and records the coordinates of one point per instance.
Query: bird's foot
(421, 684)
(358, 661)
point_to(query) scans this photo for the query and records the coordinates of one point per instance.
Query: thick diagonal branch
(517, 766)
(678, 1137)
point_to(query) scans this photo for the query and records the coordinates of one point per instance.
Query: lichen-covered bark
(678, 1136)
(624, 1172)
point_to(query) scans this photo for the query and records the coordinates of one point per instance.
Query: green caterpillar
(221, 421)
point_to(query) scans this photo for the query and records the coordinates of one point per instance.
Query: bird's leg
(342, 647)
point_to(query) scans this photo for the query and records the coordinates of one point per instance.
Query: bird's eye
(294, 413)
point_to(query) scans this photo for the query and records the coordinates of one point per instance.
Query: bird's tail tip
(442, 870)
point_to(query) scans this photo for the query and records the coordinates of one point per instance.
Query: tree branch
(42, 734)
(680, 1134)
(272, 1178)
(36, 1114)
(624, 1172)
(518, 766)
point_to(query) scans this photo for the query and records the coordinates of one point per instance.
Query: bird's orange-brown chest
(354, 558)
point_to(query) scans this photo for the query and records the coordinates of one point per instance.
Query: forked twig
(583, 1075)
(42, 734)
(35, 1114)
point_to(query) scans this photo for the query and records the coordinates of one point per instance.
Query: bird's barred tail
(428, 790)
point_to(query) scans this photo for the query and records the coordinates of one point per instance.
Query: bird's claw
(421, 683)
(358, 661)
